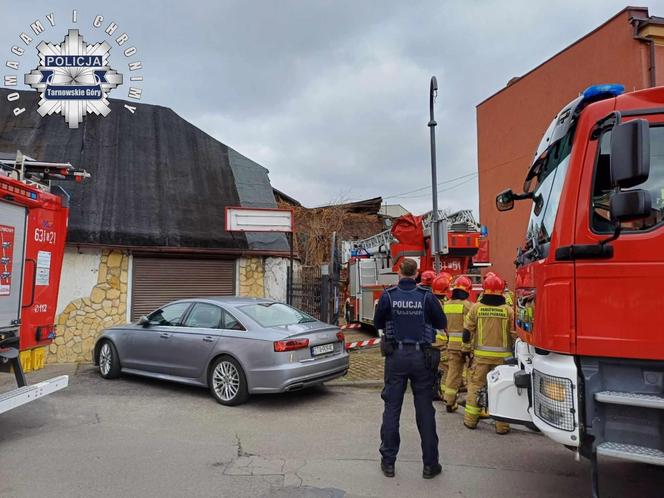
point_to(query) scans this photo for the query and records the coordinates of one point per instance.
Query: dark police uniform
(409, 315)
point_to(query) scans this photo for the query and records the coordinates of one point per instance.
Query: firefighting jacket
(492, 331)
(456, 311)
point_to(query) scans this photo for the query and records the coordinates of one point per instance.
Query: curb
(355, 383)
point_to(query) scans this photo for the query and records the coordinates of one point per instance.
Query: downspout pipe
(638, 24)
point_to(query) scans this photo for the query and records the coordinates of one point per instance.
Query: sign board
(240, 219)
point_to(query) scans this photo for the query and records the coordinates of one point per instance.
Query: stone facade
(83, 319)
(251, 276)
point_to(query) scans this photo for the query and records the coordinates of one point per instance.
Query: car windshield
(548, 175)
(275, 314)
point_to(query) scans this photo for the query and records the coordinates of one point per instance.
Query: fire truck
(373, 262)
(589, 361)
(33, 229)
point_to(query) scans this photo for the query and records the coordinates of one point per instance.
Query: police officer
(489, 328)
(456, 310)
(409, 315)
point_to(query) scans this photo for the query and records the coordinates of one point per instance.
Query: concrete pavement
(138, 437)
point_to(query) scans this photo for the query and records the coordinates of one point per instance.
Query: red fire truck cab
(33, 229)
(589, 369)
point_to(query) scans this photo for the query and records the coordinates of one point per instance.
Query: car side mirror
(630, 205)
(144, 321)
(505, 200)
(630, 153)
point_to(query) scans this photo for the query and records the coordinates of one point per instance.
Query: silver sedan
(233, 346)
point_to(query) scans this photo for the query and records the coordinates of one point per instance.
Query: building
(627, 49)
(148, 226)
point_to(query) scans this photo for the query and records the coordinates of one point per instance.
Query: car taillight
(290, 345)
(340, 336)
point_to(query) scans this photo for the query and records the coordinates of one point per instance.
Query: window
(229, 322)
(601, 221)
(204, 316)
(548, 175)
(275, 314)
(170, 315)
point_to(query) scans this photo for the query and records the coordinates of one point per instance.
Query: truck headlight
(554, 400)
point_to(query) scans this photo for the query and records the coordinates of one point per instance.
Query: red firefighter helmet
(427, 278)
(488, 274)
(440, 285)
(447, 276)
(493, 284)
(463, 283)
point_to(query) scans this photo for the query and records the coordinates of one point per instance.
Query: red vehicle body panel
(45, 235)
(598, 307)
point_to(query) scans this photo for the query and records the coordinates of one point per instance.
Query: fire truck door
(12, 250)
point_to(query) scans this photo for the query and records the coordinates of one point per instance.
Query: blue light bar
(599, 92)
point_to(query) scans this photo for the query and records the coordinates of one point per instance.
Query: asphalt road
(138, 437)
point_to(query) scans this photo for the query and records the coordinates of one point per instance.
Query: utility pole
(433, 92)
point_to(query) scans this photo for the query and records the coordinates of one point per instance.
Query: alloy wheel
(226, 380)
(105, 358)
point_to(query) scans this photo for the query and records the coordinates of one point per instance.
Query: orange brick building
(626, 49)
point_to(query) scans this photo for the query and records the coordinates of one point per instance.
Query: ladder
(39, 173)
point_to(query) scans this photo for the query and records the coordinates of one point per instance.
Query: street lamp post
(433, 92)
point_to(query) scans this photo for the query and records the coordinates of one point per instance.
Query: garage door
(157, 281)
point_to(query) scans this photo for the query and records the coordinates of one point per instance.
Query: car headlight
(554, 400)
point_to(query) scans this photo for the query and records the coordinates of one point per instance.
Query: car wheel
(109, 361)
(227, 381)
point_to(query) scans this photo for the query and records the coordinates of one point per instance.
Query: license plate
(322, 349)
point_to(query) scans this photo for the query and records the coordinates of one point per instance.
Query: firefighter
(409, 315)
(440, 288)
(426, 279)
(458, 352)
(489, 329)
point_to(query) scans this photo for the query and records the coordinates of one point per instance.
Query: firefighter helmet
(493, 284)
(447, 276)
(440, 285)
(427, 278)
(463, 283)
(488, 274)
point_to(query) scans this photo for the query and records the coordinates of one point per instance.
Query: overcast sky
(332, 96)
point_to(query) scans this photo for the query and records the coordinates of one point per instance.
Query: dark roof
(283, 197)
(367, 206)
(157, 180)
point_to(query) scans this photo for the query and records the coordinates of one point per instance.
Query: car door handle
(208, 338)
(164, 335)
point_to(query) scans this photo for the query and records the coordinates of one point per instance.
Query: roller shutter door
(159, 280)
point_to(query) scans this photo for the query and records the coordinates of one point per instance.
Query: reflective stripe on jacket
(456, 311)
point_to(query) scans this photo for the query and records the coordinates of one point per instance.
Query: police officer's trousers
(400, 366)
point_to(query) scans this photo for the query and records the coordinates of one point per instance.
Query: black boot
(387, 468)
(431, 471)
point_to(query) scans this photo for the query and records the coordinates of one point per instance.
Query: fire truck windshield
(545, 179)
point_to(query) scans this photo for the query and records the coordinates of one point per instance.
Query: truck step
(631, 452)
(630, 399)
(22, 395)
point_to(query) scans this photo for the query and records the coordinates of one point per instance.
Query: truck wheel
(109, 361)
(227, 382)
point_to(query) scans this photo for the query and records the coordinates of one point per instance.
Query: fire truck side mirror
(630, 205)
(505, 200)
(144, 321)
(630, 153)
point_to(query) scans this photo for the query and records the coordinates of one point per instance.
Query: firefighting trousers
(456, 362)
(400, 367)
(477, 381)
